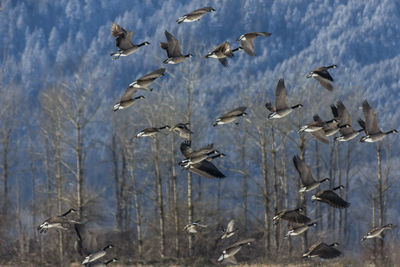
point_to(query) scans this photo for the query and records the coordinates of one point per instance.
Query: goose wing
(343, 114)
(231, 226)
(223, 61)
(323, 73)
(129, 92)
(204, 150)
(248, 46)
(304, 171)
(241, 243)
(325, 251)
(235, 112)
(173, 48)
(153, 75)
(186, 149)
(324, 82)
(125, 42)
(206, 169)
(333, 199)
(295, 216)
(280, 95)
(320, 136)
(371, 122)
(200, 11)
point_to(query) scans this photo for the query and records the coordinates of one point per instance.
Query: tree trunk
(266, 194)
(276, 188)
(160, 198)
(79, 169)
(244, 176)
(175, 195)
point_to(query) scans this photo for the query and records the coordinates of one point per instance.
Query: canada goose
(246, 41)
(298, 230)
(305, 174)
(323, 251)
(222, 52)
(280, 109)
(316, 128)
(174, 53)
(205, 153)
(124, 41)
(231, 116)
(322, 75)
(195, 15)
(182, 130)
(346, 130)
(377, 232)
(230, 230)
(293, 216)
(332, 127)
(101, 264)
(230, 251)
(192, 228)
(96, 255)
(331, 198)
(372, 131)
(145, 81)
(58, 222)
(151, 132)
(204, 168)
(126, 100)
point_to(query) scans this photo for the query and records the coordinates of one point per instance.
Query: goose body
(377, 232)
(96, 255)
(58, 222)
(151, 132)
(371, 129)
(246, 41)
(298, 230)
(145, 81)
(316, 125)
(173, 50)
(195, 15)
(293, 216)
(231, 116)
(222, 52)
(331, 198)
(231, 251)
(305, 174)
(194, 227)
(322, 75)
(204, 168)
(230, 230)
(322, 250)
(281, 109)
(182, 130)
(124, 41)
(101, 264)
(346, 130)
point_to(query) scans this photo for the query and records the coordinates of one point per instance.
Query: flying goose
(58, 222)
(293, 216)
(124, 41)
(145, 81)
(246, 41)
(323, 251)
(126, 99)
(101, 264)
(192, 228)
(222, 52)
(372, 131)
(305, 174)
(182, 130)
(332, 127)
(195, 15)
(377, 232)
(346, 130)
(228, 254)
(204, 168)
(205, 153)
(299, 229)
(316, 128)
(280, 109)
(331, 198)
(151, 132)
(231, 116)
(174, 53)
(230, 230)
(322, 75)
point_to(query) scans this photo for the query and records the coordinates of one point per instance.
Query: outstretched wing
(173, 45)
(186, 149)
(206, 169)
(280, 95)
(153, 75)
(371, 122)
(304, 171)
(236, 112)
(129, 92)
(333, 199)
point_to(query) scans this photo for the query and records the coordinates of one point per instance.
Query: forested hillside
(62, 146)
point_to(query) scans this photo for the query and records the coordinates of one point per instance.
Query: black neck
(142, 44)
(331, 66)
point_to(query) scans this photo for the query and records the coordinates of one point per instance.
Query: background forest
(62, 146)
